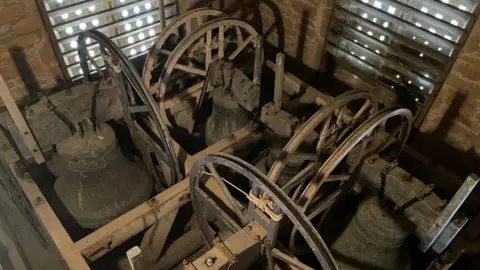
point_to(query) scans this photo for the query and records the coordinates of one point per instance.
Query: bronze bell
(96, 183)
(293, 165)
(373, 239)
(227, 117)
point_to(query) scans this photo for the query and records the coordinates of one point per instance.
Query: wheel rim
(204, 30)
(354, 139)
(121, 62)
(170, 29)
(259, 180)
(320, 116)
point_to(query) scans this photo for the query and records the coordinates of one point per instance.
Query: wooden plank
(103, 240)
(22, 125)
(155, 238)
(47, 217)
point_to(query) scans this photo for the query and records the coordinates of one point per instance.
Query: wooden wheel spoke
(239, 34)
(240, 47)
(183, 26)
(227, 194)
(188, 26)
(362, 109)
(165, 51)
(301, 177)
(221, 37)
(200, 20)
(323, 134)
(192, 41)
(340, 116)
(190, 69)
(208, 49)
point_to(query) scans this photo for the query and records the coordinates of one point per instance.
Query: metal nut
(257, 238)
(39, 200)
(249, 228)
(29, 110)
(152, 202)
(185, 262)
(210, 261)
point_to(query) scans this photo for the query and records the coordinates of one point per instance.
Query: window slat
(132, 24)
(405, 45)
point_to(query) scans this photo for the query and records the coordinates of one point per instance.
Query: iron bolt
(185, 262)
(372, 160)
(231, 137)
(29, 110)
(38, 200)
(152, 202)
(185, 197)
(210, 261)
(249, 228)
(257, 238)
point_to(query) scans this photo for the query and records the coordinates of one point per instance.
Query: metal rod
(279, 71)
(257, 72)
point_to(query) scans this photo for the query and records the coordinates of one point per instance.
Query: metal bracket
(437, 230)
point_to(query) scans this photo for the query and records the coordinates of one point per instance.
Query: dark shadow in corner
(434, 146)
(302, 37)
(278, 24)
(28, 77)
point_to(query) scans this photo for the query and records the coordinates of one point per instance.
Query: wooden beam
(155, 237)
(20, 122)
(294, 86)
(103, 240)
(47, 217)
(236, 141)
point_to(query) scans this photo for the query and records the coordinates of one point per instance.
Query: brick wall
(27, 61)
(296, 27)
(452, 125)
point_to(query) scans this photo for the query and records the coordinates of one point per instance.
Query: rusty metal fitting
(152, 202)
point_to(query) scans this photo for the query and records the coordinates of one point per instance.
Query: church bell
(373, 239)
(96, 183)
(227, 117)
(293, 165)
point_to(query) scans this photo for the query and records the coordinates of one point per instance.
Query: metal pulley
(374, 239)
(96, 183)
